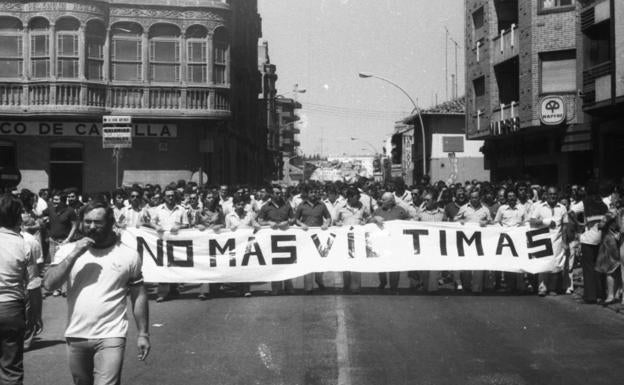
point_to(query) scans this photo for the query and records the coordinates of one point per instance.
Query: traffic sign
(116, 119)
(10, 177)
(117, 137)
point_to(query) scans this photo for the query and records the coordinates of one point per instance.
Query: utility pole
(446, 37)
(456, 67)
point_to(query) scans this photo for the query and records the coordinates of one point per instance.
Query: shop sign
(84, 129)
(552, 110)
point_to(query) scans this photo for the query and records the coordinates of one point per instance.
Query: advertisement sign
(552, 110)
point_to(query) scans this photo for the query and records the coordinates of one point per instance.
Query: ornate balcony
(76, 98)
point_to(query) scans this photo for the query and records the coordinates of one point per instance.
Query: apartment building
(523, 89)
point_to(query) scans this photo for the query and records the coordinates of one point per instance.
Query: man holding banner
(474, 212)
(550, 214)
(312, 213)
(389, 211)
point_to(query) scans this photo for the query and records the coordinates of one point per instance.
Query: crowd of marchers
(61, 236)
(588, 217)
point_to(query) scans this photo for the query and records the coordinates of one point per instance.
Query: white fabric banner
(194, 256)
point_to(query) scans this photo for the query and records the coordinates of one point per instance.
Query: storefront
(62, 153)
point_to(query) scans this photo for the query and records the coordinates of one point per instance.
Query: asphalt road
(361, 339)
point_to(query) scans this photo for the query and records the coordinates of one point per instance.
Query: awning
(577, 137)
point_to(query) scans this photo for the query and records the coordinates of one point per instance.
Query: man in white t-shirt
(100, 273)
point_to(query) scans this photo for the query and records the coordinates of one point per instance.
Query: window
(165, 61)
(478, 19)
(67, 54)
(478, 89)
(196, 55)
(558, 71)
(11, 48)
(40, 55)
(552, 4)
(221, 52)
(67, 48)
(95, 50)
(126, 53)
(164, 53)
(196, 62)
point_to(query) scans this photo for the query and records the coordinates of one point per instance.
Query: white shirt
(233, 220)
(133, 218)
(546, 214)
(335, 207)
(510, 217)
(35, 256)
(13, 266)
(167, 219)
(97, 286)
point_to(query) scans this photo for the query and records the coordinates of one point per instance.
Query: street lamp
(366, 75)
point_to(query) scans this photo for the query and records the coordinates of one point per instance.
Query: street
(332, 338)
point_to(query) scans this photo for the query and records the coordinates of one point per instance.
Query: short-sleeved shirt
(97, 286)
(510, 216)
(312, 214)
(543, 212)
(392, 213)
(233, 220)
(35, 256)
(167, 219)
(133, 218)
(435, 215)
(274, 213)
(61, 221)
(472, 214)
(351, 216)
(333, 208)
(13, 266)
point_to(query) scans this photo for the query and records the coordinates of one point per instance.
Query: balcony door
(66, 166)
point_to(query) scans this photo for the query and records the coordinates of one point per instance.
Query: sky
(321, 45)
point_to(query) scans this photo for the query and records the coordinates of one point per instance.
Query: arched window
(164, 53)
(11, 48)
(39, 48)
(196, 54)
(126, 51)
(67, 48)
(221, 56)
(95, 37)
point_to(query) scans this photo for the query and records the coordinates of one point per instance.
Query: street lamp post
(366, 75)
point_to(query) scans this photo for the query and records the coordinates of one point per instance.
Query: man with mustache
(100, 272)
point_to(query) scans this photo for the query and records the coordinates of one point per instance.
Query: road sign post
(116, 134)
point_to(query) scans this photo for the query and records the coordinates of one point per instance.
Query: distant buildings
(186, 71)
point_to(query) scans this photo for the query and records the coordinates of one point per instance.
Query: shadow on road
(42, 344)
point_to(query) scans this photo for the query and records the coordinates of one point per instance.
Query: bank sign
(552, 110)
(82, 129)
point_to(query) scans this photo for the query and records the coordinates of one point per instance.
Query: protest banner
(193, 256)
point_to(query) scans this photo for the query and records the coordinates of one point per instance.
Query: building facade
(288, 135)
(185, 71)
(449, 157)
(601, 70)
(523, 89)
